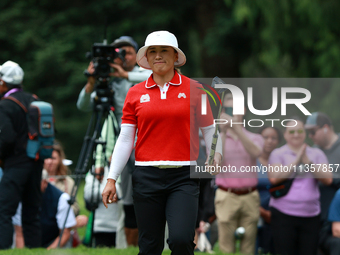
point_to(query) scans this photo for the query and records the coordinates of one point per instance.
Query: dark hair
(278, 132)
(323, 119)
(62, 169)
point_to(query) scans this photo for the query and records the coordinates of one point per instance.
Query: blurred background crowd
(289, 38)
(237, 39)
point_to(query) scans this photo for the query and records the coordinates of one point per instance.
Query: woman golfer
(165, 110)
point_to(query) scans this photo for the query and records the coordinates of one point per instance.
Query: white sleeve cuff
(208, 133)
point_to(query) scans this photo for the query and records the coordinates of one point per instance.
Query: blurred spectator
(237, 200)
(125, 73)
(58, 173)
(54, 166)
(272, 137)
(321, 131)
(53, 214)
(295, 217)
(21, 174)
(332, 243)
(105, 220)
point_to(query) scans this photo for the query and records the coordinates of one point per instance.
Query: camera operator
(125, 74)
(21, 174)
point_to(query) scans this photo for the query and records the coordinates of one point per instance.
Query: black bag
(281, 189)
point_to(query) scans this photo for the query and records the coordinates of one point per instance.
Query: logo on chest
(145, 98)
(182, 95)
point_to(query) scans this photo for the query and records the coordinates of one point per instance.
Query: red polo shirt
(167, 120)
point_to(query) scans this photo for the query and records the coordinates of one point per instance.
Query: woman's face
(271, 139)
(161, 59)
(52, 164)
(295, 136)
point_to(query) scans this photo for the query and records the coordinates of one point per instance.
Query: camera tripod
(103, 111)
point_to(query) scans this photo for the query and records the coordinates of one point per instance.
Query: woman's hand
(301, 156)
(216, 162)
(109, 194)
(217, 159)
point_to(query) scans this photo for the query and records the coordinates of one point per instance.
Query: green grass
(82, 250)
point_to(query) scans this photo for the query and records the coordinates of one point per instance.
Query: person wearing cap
(165, 109)
(321, 131)
(125, 75)
(21, 174)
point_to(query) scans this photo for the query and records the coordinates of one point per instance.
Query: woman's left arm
(208, 133)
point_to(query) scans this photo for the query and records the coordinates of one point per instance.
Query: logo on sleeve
(182, 95)
(145, 98)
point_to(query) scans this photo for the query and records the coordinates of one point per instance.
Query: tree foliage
(226, 38)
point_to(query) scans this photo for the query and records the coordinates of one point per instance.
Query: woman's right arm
(120, 157)
(122, 150)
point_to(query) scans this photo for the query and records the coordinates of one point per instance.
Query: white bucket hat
(159, 38)
(11, 73)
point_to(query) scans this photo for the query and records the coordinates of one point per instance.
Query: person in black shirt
(321, 130)
(21, 174)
